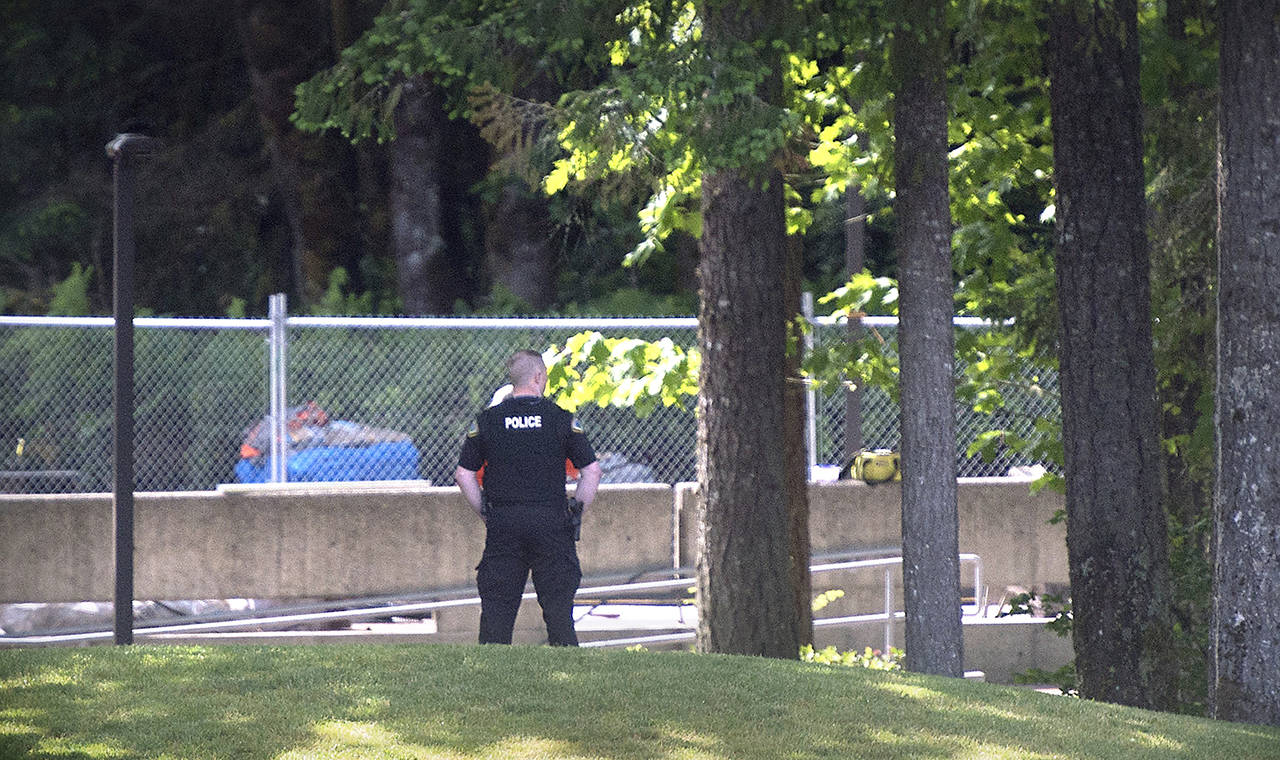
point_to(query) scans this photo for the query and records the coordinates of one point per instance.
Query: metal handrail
(887, 617)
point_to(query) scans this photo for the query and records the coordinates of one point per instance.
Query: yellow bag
(875, 466)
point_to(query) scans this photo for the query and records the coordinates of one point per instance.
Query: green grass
(377, 702)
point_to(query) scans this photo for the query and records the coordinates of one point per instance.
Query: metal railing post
(810, 396)
(278, 313)
(888, 612)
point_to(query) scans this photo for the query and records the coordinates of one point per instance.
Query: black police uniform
(522, 443)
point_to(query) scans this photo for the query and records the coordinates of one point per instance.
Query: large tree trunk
(521, 241)
(930, 527)
(1116, 533)
(519, 244)
(284, 44)
(426, 279)
(746, 597)
(1245, 631)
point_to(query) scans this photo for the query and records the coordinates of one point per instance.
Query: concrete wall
(302, 540)
(386, 538)
(1000, 520)
(354, 539)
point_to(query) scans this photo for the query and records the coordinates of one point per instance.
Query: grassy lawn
(378, 702)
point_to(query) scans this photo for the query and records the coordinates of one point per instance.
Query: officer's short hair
(523, 366)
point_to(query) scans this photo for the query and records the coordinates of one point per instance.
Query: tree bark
(426, 279)
(1116, 531)
(746, 598)
(930, 526)
(521, 240)
(1245, 629)
(519, 245)
(796, 464)
(284, 44)
(855, 246)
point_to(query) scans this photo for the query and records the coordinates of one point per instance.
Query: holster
(575, 516)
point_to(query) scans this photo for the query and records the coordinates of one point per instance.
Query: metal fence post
(122, 150)
(810, 397)
(888, 612)
(278, 312)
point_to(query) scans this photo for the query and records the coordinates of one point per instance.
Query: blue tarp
(394, 460)
(321, 449)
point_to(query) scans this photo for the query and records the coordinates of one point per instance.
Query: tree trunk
(796, 464)
(855, 247)
(746, 598)
(1245, 631)
(930, 527)
(1116, 532)
(426, 279)
(519, 245)
(284, 44)
(521, 240)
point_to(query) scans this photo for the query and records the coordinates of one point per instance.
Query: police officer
(522, 443)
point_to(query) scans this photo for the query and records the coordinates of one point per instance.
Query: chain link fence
(201, 385)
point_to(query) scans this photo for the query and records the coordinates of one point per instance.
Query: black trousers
(521, 539)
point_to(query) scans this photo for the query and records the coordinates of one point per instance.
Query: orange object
(570, 473)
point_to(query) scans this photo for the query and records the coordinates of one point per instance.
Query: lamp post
(123, 150)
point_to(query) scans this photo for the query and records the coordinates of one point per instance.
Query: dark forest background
(238, 203)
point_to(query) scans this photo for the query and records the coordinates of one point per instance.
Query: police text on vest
(523, 422)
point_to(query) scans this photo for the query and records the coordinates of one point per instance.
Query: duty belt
(508, 503)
